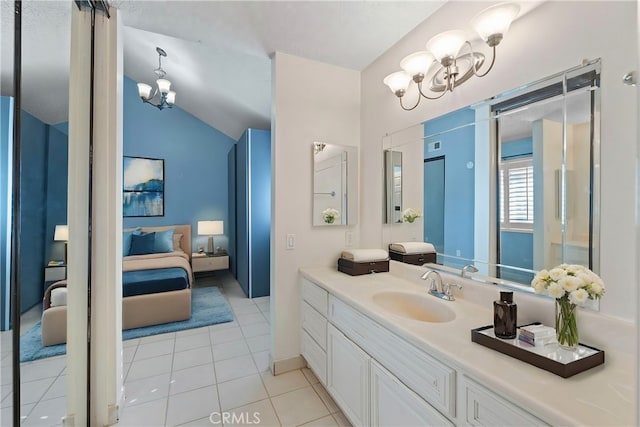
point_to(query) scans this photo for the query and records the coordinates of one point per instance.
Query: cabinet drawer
(430, 379)
(485, 408)
(315, 296)
(53, 274)
(315, 324)
(315, 356)
(210, 263)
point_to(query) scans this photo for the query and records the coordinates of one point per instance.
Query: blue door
(434, 202)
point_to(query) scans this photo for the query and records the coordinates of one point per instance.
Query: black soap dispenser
(505, 316)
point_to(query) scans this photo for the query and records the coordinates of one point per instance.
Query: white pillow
(58, 297)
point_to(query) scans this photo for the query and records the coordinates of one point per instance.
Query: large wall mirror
(510, 184)
(335, 180)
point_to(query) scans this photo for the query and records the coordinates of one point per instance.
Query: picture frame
(142, 187)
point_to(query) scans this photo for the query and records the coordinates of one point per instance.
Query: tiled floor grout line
(213, 360)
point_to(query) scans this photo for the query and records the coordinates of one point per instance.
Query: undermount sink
(424, 308)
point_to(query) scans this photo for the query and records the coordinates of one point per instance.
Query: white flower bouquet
(410, 215)
(329, 215)
(571, 285)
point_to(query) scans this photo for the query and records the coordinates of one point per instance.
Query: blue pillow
(164, 241)
(126, 240)
(142, 244)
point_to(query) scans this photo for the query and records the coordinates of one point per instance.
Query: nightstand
(54, 273)
(202, 262)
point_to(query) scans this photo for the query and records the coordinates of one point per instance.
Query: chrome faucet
(469, 268)
(437, 289)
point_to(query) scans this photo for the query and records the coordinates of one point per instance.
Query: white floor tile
(237, 367)
(154, 349)
(194, 357)
(262, 300)
(246, 309)
(130, 343)
(7, 413)
(256, 329)
(259, 343)
(32, 391)
(146, 389)
(149, 414)
(221, 326)
(47, 413)
(259, 414)
(328, 401)
(262, 360)
(194, 331)
(192, 378)
(327, 421)
(241, 391)
(231, 349)
(193, 341)
(202, 422)
(128, 353)
(159, 337)
(284, 383)
(226, 335)
(57, 389)
(311, 377)
(248, 319)
(43, 368)
(150, 367)
(192, 405)
(299, 407)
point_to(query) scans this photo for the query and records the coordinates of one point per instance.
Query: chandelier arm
(429, 97)
(417, 102)
(473, 55)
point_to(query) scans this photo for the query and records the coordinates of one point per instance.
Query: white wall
(312, 101)
(552, 37)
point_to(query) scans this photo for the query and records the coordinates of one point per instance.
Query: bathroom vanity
(390, 354)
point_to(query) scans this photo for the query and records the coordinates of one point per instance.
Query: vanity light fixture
(450, 66)
(167, 96)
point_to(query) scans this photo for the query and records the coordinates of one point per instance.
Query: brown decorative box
(552, 357)
(415, 259)
(358, 268)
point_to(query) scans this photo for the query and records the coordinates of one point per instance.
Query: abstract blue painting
(143, 187)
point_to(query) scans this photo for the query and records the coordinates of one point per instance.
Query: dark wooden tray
(551, 357)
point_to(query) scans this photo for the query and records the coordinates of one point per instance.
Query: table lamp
(61, 234)
(210, 228)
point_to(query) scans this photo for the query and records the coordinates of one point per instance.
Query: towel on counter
(365, 255)
(412, 247)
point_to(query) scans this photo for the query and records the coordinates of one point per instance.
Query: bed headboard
(184, 229)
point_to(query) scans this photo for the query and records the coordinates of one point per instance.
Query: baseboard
(285, 365)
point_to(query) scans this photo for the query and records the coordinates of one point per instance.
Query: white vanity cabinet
(314, 328)
(348, 376)
(394, 404)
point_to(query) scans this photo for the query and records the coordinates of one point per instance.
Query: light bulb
(446, 45)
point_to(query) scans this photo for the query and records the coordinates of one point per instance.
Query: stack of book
(537, 335)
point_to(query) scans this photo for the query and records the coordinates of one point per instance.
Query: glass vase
(566, 325)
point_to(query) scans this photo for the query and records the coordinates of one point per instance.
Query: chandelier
(167, 96)
(445, 60)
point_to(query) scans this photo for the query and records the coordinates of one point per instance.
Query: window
(516, 194)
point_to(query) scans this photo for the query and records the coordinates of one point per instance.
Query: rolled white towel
(58, 297)
(412, 247)
(365, 255)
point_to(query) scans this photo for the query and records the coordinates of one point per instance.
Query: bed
(156, 288)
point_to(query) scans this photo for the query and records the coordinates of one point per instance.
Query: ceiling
(218, 51)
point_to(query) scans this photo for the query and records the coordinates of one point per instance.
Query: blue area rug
(208, 307)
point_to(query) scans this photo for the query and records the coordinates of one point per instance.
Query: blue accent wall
(195, 163)
(516, 248)
(56, 188)
(6, 169)
(33, 210)
(458, 148)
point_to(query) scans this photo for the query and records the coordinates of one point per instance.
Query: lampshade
(446, 44)
(398, 81)
(144, 90)
(163, 86)
(210, 228)
(495, 19)
(417, 63)
(61, 233)
(171, 97)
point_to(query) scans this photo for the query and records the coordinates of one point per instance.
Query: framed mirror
(510, 184)
(335, 180)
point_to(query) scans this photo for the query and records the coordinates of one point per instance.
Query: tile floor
(216, 375)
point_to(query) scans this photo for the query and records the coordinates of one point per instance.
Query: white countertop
(603, 395)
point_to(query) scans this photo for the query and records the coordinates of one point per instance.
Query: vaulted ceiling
(218, 51)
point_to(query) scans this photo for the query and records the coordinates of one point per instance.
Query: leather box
(415, 259)
(358, 268)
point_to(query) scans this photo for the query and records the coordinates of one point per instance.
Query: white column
(106, 290)
(78, 215)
